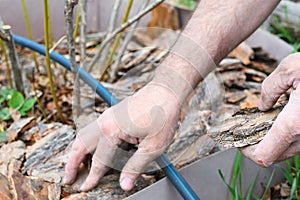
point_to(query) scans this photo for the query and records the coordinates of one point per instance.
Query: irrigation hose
(171, 172)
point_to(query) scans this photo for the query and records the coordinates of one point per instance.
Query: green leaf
(289, 165)
(250, 189)
(255, 197)
(7, 93)
(28, 104)
(236, 169)
(2, 99)
(232, 191)
(287, 175)
(293, 189)
(268, 184)
(4, 114)
(16, 100)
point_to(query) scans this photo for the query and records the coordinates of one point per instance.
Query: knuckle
(77, 146)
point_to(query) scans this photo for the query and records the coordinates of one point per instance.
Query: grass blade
(249, 192)
(236, 169)
(287, 175)
(232, 191)
(268, 184)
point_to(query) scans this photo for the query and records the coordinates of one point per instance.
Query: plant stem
(236, 171)
(46, 35)
(111, 27)
(120, 29)
(7, 64)
(29, 33)
(77, 22)
(16, 67)
(69, 12)
(116, 42)
(83, 32)
(114, 67)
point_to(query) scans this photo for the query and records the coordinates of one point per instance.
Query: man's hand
(147, 118)
(283, 139)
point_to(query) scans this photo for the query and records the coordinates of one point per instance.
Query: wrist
(172, 82)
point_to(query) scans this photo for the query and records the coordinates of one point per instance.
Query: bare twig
(103, 68)
(69, 12)
(114, 67)
(58, 43)
(111, 27)
(78, 18)
(14, 60)
(7, 64)
(29, 33)
(122, 28)
(83, 32)
(5, 55)
(46, 33)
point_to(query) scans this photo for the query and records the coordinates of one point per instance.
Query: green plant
(235, 190)
(285, 31)
(13, 101)
(292, 175)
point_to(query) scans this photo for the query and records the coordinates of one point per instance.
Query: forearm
(215, 28)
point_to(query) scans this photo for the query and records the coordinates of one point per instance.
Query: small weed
(237, 194)
(285, 31)
(12, 101)
(292, 175)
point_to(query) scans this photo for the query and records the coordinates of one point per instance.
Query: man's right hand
(148, 118)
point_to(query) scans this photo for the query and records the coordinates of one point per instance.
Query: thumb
(285, 76)
(136, 165)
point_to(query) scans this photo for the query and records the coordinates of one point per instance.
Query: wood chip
(25, 187)
(236, 96)
(19, 126)
(243, 52)
(10, 152)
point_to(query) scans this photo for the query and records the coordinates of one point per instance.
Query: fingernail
(65, 181)
(83, 188)
(260, 105)
(127, 183)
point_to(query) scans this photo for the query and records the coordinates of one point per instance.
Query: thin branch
(5, 55)
(115, 66)
(29, 33)
(69, 13)
(78, 18)
(83, 32)
(49, 72)
(103, 68)
(18, 81)
(7, 64)
(120, 29)
(111, 27)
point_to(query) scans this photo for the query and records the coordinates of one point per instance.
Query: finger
(137, 163)
(85, 143)
(285, 76)
(284, 132)
(102, 159)
(77, 155)
(293, 149)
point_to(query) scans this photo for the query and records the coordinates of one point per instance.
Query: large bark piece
(247, 126)
(47, 157)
